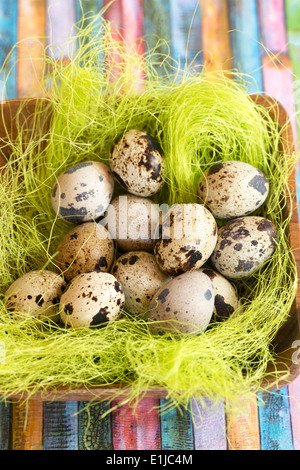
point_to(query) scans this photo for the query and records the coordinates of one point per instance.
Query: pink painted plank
(272, 20)
(294, 396)
(136, 428)
(209, 425)
(113, 14)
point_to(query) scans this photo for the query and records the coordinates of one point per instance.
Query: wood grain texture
(5, 425)
(60, 430)
(8, 38)
(215, 37)
(274, 421)
(243, 426)
(176, 428)
(209, 425)
(94, 430)
(61, 17)
(27, 425)
(136, 428)
(32, 42)
(245, 42)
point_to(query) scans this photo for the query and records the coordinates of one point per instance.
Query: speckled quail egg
(233, 189)
(226, 297)
(137, 162)
(184, 304)
(86, 247)
(243, 246)
(91, 299)
(140, 276)
(132, 220)
(83, 192)
(187, 238)
(36, 293)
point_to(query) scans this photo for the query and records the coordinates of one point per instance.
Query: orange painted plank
(27, 426)
(215, 35)
(32, 42)
(243, 427)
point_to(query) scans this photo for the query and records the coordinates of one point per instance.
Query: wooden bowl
(286, 341)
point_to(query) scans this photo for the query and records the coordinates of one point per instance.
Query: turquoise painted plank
(157, 26)
(245, 40)
(87, 7)
(5, 425)
(274, 421)
(209, 425)
(8, 38)
(186, 32)
(176, 428)
(60, 430)
(94, 430)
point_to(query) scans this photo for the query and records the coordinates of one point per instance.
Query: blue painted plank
(87, 8)
(176, 428)
(275, 421)
(245, 38)
(60, 430)
(94, 430)
(5, 425)
(8, 38)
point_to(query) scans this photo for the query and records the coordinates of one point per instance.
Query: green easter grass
(198, 120)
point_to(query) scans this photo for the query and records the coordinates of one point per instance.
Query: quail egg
(233, 189)
(226, 297)
(140, 276)
(86, 247)
(83, 192)
(137, 162)
(36, 293)
(187, 238)
(243, 246)
(184, 304)
(132, 220)
(91, 299)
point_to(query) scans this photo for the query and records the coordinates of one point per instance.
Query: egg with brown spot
(183, 305)
(86, 247)
(91, 300)
(83, 192)
(185, 238)
(141, 277)
(244, 245)
(226, 297)
(233, 189)
(132, 220)
(138, 164)
(36, 293)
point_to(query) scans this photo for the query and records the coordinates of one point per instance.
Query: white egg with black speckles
(141, 277)
(183, 305)
(36, 293)
(91, 300)
(137, 162)
(132, 220)
(233, 189)
(188, 235)
(226, 297)
(244, 245)
(83, 192)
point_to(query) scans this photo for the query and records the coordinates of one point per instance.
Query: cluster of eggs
(160, 270)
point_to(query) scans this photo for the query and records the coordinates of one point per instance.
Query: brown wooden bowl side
(289, 332)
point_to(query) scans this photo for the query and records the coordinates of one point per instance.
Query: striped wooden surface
(260, 39)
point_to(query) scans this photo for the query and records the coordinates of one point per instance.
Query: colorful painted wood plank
(27, 426)
(243, 426)
(31, 45)
(136, 428)
(176, 428)
(245, 39)
(272, 24)
(215, 38)
(60, 429)
(87, 8)
(186, 33)
(8, 38)
(94, 429)
(209, 425)
(294, 397)
(61, 18)
(5, 425)
(274, 421)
